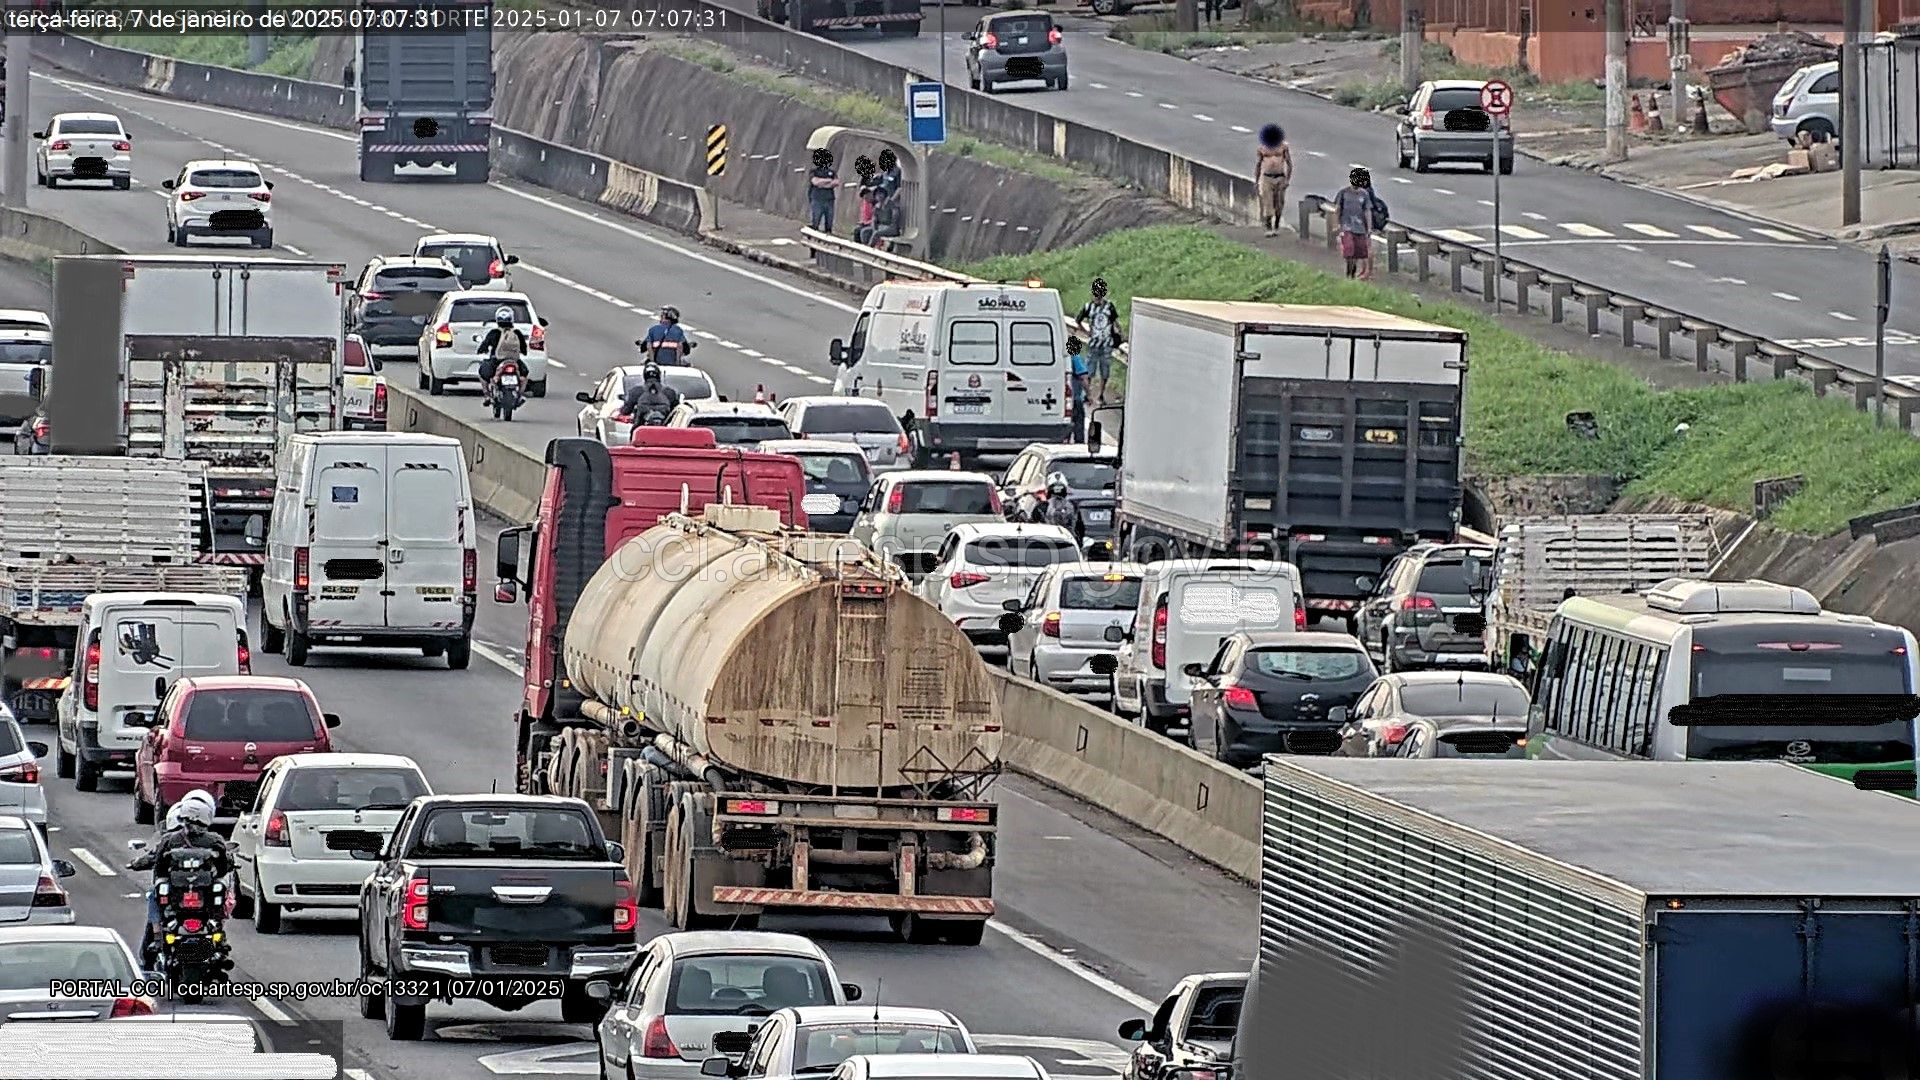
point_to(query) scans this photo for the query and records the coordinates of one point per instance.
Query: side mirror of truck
(616, 851)
(1114, 634)
(39, 748)
(1338, 714)
(1134, 1030)
(332, 719)
(506, 592)
(1011, 623)
(584, 397)
(506, 554)
(1104, 663)
(600, 990)
(837, 353)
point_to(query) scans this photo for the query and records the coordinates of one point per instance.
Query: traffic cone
(1636, 118)
(1654, 123)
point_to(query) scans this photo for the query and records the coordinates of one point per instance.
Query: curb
(766, 258)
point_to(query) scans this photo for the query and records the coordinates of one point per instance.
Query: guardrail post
(1631, 312)
(1595, 301)
(1423, 253)
(1705, 337)
(1489, 281)
(1665, 323)
(1862, 393)
(1558, 292)
(1818, 373)
(1523, 282)
(1395, 235)
(1742, 347)
(1309, 206)
(1331, 219)
(1457, 260)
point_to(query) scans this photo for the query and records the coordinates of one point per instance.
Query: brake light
(189, 196)
(537, 337)
(752, 806)
(49, 893)
(1050, 626)
(1426, 119)
(964, 578)
(657, 1043)
(243, 658)
(469, 571)
(993, 500)
(1417, 603)
(40, 429)
(1239, 697)
(443, 335)
(990, 40)
(60, 144)
(123, 145)
(260, 196)
(192, 926)
(902, 445)
(979, 814)
(414, 917)
(496, 268)
(300, 562)
(1392, 734)
(1160, 633)
(380, 401)
(130, 1006)
(276, 835)
(22, 774)
(933, 391)
(90, 675)
(1299, 618)
(370, 294)
(626, 909)
(1053, 36)
(896, 499)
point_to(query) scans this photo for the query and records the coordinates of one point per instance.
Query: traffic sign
(1496, 97)
(717, 150)
(926, 113)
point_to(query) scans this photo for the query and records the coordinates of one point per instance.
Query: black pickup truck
(506, 899)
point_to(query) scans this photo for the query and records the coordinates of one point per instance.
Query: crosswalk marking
(1717, 234)
(1578, 229)
(1521, 232)
(1458, 236)
(1776, 234)
(1648, 230)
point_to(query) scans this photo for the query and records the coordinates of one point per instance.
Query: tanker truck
(773, 721)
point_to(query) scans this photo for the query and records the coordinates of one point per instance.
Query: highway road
(1754, 276)
(1096, 919)
(597, 277)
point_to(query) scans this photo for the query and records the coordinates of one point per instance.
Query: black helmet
(670, 314)
(651, 373)
(503, 316)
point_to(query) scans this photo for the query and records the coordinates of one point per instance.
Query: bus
(1728, 671)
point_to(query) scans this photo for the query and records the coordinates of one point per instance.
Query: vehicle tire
(1109, 7)
(267, 915)
(1506, 166)
(39, 177)
(653, 790)
(372, 1005)
(436, 386)
(179, 236)
(1818, 128)
(273, 640)
(537, 388)
(433, 649)
(986, 84)
(459, 653)
(242, 903)
(421, 372)
(1113, 693)
(1401, 158)
(405, 1023)
(124, 183)
(913, 929)
(142, 809)
(63, 764)
(1420, 164)
(297, 646)
(471, 169)
(86, 775)
(577, 1008)
(1062, 84)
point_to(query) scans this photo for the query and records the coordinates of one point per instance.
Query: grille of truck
(237, 219)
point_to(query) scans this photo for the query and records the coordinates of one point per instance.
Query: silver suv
(1443, 122)
(1426, 610)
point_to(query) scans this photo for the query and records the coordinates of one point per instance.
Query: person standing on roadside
(823, 186)
(1102, 320)
(1216, 10)
(1360, 211)
(1272, 172)
(1077, 361)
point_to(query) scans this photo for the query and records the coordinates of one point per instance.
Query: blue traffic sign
(926, 113)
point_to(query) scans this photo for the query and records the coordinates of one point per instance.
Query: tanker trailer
(778, 723)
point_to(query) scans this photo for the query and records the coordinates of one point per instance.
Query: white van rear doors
(162, 639)
(347, 550)
(1204, 607)
(427, 541)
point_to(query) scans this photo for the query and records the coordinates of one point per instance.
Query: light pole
(1883, 301)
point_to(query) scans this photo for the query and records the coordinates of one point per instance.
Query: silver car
(1809, 101)
(865, 422)
(30, 890)
(20, 790)
(1016, 47)
(686, 989)
(33, 958)
(813, 1040)
(908, 514)
(1061, 624)
(1443, 122)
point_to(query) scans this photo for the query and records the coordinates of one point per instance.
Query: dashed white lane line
(1098, 85)
(1776, 234)
(1578, 229)
(1243, 130)
(1649, 230)
(1203, 118)
(1135, 94)
(1485, 202)
(1441, 191)
(272, 1012)
(1787, 296)
(1401, 180)
(1717, 234)
(1316, 153)
(1681, 263)
(1841, 315)
(1164, 105)
(1533, 216)
(1630, 247)
(1521, 232)
(94, 862)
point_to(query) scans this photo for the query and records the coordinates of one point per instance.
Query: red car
(219, 733)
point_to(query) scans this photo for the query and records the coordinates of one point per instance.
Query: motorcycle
(508, 394)
(191, 948)
(667, 353)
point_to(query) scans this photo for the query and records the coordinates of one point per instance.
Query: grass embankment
(289, 56)
(1519, 392)
(1438, 62)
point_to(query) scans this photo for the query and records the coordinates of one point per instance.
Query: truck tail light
(980, 815)
(896, 499)
(49, 893)
(537, 338)
(626, 909)
(443, 335)
(301, 581)
(1239, 697)
(22, 774)
(90, 675)
(933, 392)
(964, 578)
(130, 1006)
(469, 571)
(414, 916)
(1050, 626)
(657, 1043)
(752, 806)
(276, 835)
(260, 196)
(123, 145)
(380, 401)
(1299, 618)
(1160, 633)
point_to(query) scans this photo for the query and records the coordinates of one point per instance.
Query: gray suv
(1443, 122)
(1016, 47)
(1426, 610)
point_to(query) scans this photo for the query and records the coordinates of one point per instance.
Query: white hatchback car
(84, 146)
(450, 346)
(745, 424)
(292, 852)
(479, 259)
(602, 406)
(220, 199)
(980, 567)
(30, 889)
(814, 1039)
(20, 790)
(1056, 631)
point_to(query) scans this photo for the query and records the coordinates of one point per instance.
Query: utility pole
(257, 40)
(1413, 31)
(1616, 80)
(1883, 302)
(19, 117)
(1852, 128)
(1186, 16)
(1679, 60)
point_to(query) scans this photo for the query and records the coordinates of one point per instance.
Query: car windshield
(1030, 552)
(730, 430)
(475, 261)
(740, 985)
(1463, 698)
(249, 716)
(834, 468)
(31, 965)
(11, 741)
(350, 788)
(1481, 744)
(1310, 664)
(17, 847)
(415, 279)
(508, 832)
(1086, 474)
(26, 352)
(822, 1047)
(72, 126)
(691, 386)
(481, 311)
(223, 178)
(945, 497)
(848, 420)
(1103, 593)
(1448, 100)
(1018, 26)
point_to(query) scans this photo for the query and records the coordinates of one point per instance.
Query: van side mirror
(584, 397)
(1103, 663)
(837, 353)
(1115, 634)
(600, 990)
(332, 719)
(1134, 1030)
(1338, 714)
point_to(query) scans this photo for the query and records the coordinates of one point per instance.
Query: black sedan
(1272, 693)
(837, 477)
(1503, 738)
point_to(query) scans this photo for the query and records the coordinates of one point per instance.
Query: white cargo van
(373, 544)
(133, 646)
(976, 368)
(1186, 607)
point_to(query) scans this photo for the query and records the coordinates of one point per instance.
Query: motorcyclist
(1058, 508)
(667, 332)
(649, 403)
(504, 344)
(189, 824)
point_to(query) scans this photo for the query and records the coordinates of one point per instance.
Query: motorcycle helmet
(1057, 484)
(670, 314)
(196, 806)
(503, 316)
(651, 373)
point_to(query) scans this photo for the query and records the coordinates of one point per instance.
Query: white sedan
(602, 406)
(84, 146)
(980, 567)
(292, 849)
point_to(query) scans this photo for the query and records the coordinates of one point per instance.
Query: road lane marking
(1203, 118)
(1649, 230)
(1164, 105)
(1776, 234)
(1458, 236)
(1441, 191)
(1098, 85)
(1681, 263)
(1534, 216)
(1522, 232)
(1315, 153)
(1717, 234)
(272, 1012)
(1243, 130)
(1843, 316)
(1729, 281)
(1401, 180)
(499, 659)
(1486, 202)
(1134, 93)
(1578, 229)
(1787, 296)
(357, 1074)
(94, 862)
(1073, 967)
(1630, 247)
(295, 250)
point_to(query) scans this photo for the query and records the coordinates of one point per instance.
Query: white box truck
(216, 358)
(1327, 437)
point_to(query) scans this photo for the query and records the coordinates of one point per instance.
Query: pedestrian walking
(1102, 320)
(1360, 211)
(1272, 172)
(823, 186)
(1077, 365)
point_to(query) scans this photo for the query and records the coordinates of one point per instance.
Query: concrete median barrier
(249, 91)
(27, 237)
(615, 184)
(506, 479)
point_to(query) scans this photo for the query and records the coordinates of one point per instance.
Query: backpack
(509, 345)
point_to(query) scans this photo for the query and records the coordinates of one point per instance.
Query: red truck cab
(596, 498)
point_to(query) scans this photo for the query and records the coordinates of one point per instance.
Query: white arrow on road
(546, 1061)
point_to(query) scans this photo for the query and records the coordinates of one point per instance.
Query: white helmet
(196, 806)
(1057, 483)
